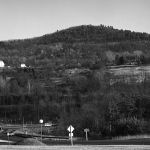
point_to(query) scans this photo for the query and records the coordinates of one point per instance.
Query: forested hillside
(82, 45)
(67, 81)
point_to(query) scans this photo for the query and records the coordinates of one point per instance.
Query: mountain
(91, 33)
(82, 45)
(93, 77)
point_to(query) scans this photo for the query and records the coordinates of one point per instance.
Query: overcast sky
(30, 18)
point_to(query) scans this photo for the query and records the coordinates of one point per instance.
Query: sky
(20, 19)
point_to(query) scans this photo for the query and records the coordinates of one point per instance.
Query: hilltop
(86, 46)
(95, 34)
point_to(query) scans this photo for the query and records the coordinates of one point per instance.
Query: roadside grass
(78, 147)
(138, 141)
(128, 137)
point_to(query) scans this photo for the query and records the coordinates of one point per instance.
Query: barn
(2, 64)
(23, 65)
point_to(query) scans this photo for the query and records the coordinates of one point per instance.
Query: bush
(129, 126)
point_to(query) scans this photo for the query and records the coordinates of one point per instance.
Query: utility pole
(29, 87)
(41, 122)
(23, 124)
(8, 138)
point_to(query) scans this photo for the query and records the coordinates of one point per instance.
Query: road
(77, 147)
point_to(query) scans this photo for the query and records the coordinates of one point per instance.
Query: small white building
(23, 66)
(2, 64)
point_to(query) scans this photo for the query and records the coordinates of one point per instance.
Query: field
(78, 147)
(129, 74)
(129, 70)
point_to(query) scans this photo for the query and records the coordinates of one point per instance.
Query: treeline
(85, 101)
(121, 109)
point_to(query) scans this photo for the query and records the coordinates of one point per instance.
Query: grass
(128, 137)
(140, 141)
(78, 147)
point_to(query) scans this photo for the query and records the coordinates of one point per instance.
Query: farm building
(2, 64)
(23, 65)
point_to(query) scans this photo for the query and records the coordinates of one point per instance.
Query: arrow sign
(70, 128)
(86, 135)
(86, 130)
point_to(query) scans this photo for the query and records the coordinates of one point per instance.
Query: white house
(2, 64)
(23, 65)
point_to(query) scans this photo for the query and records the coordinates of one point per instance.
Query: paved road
(93, 147)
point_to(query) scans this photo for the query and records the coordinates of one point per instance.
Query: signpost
(71, 129)
(8, 138)
(86, 133)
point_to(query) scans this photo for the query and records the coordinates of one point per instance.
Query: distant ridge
(88, 33)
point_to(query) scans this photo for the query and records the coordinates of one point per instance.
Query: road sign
(70, 134)
(86, 135)
(86, 130)
(70, 128)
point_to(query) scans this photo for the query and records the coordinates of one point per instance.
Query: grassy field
(133, 70)
(95, 147)
(129, 74)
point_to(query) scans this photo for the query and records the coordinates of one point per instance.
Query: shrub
(129, 126)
